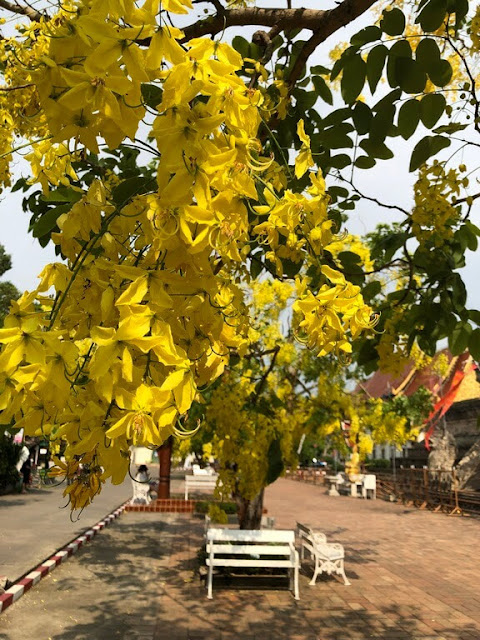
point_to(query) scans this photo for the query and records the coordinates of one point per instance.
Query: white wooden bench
(199, 482)
(267, 548)
(328, 556)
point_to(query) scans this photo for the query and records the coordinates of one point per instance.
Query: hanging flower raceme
(115, 344)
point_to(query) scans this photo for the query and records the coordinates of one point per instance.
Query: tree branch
(14, 7)
(322, 23)
(330, 22)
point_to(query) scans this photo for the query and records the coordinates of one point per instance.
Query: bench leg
(209, 582)
(295, 592)
(186, 492)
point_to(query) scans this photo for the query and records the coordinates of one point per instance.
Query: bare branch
(329, 23)
(19, 9)
(322, 23)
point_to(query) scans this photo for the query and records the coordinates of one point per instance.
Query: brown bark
(250, 511)
(321, 22)
(22, 10)
(165, 462)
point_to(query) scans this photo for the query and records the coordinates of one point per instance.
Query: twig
(14, 7)
(20, 86)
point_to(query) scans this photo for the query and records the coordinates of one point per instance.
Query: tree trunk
(468, 469)
(250, 511)
(165, 461)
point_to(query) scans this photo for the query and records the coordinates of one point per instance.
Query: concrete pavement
(414, 575)
(34, 525)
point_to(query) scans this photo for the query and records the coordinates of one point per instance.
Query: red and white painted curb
(17, 590)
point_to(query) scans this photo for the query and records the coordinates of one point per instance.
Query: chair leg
(316, 572)
(342, 573)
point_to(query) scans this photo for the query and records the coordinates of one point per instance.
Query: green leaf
(304, 99)
(376, 149)
(382, 122)
(152, 95)
(427, 53)
(474, 315)
(291, 268)
(459, 293)
(393, 22)
(410, 77)
(353, 78)
(336, 192)
(365, 162)
(375, 63)
(337, 116)
(241, 45)
(371, 290)
(319, 69)
(408, 118)
(441, 73)
(432, 15)
(362, 117)
(337, 137)
(256, 266)
(401, 49)
(275, 461)
(48, 221)
(322, 89)
(459, 339)
(340, 161)
(474, 344)
(389, 99)
(135, 186)
(369, 34)
(432, 107)
(427, 147)
(461, 11)
(450, 128)
(61, 195)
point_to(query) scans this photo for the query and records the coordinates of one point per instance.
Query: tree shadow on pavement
(139, 581)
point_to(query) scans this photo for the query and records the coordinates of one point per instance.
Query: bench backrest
(211, 479)
(262, 536)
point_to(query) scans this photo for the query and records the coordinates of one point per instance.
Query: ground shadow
(146, 586)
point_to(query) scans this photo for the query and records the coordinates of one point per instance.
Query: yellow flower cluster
(475, 32)
(114, 345)
(435, 215)
(331, 315)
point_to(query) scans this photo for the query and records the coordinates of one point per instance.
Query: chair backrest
(308, 536)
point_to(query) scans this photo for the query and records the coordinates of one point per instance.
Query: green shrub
(379, 463)
(217, 514)
(203, 506)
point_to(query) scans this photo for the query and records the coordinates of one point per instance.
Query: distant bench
(267, 548)
(199, 482)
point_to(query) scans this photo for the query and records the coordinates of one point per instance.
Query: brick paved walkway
(414, 574)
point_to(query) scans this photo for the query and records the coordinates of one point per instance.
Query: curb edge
(19, 588)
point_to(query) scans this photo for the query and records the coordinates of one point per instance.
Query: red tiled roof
(383, 384)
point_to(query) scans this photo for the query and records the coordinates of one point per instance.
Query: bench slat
(235, 562)
(243, 535)
(257, 549)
